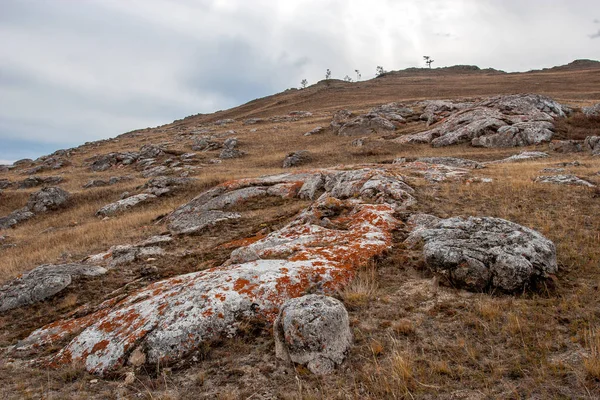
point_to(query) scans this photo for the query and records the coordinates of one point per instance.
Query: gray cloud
(595, 35)
(71, 72)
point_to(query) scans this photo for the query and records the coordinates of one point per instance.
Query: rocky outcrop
(5, 183)
(451, 162)
(365, 125)
(101, 182)
(50, 198)
(297, 158)
(485, 253)
(340, 117)
(166, 185)
(592, 143)
(316, 131)
(523, 156)
(566, 146)
(15, 218)
(563, 180)
(104, 162)
(319, 251)
(206, 143)
(125, 204)
(592, 111)
(435, 110)
(34, 181)
(230, 149)
(502, 121)
(42, 283)
(197, 222)
(313, 330)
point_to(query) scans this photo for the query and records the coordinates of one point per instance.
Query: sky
(73, 71)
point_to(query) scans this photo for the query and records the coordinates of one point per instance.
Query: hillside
(170, 239)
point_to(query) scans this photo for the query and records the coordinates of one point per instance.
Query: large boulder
(43, 282)
(50, 198)
(313, 330)
(485, 253)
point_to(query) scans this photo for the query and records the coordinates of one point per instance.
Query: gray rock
(34, 181)
(42, 283)
(166, 184)
(112, 181)
(50, 198)
(187, 224)
(297, 158)
(206, 143)
(523, 156)
(23, 162)
(253, 121)
(366, 125)
(5, 183)
(150, 151)
(316, 131)
(501, 121)
(552, 170)
(125, 204)
(224, 121)
(486, 253)
(592, 111)
(563, 180)
(360, 142)
(567, 146)
(159, 170)
(313, 330)
(230, 150)
(592, 143)
(451, 162)
(15, 217)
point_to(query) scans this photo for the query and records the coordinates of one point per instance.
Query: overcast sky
(73, 71)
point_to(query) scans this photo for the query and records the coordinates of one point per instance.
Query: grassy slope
(413, 338)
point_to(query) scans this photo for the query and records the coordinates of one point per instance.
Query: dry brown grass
(413, 339)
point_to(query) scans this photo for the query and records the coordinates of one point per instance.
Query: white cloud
(77, 71)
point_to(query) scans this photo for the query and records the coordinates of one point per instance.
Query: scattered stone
(112, 181)
(523, 156)
(229, 149)
(569, 164)
(592, 143)
(297, 158)
(451, 162)
(567, 146)
(253, 121)
(159, 170)
(224, 121)
(366, 125)
(313, 330)
(124, 204)
(485, 253)
(563, 180)
(34, 181)
(340, 117)
(42, 283)
(316, 131)
(104, 162)
(360, 142)
(15, 217)
(592, 111)
(552, 170)
(50, 198)
(206, 143)
(165, 184)
(5, 183)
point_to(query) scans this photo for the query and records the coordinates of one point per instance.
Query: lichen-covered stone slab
(320, 250)
(125, 204)
(563, 180)
(484, 253)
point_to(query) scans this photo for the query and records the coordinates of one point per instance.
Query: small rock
(523, 156)
(316, 131)
(563, 180)
(296, 158)
(313, 330)
(567, 146)
(229, 149)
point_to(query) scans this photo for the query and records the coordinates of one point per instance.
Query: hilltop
(155, 264)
